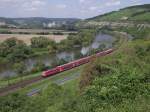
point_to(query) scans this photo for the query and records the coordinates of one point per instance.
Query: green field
(137, 13)
(54, 79)
(118, 82)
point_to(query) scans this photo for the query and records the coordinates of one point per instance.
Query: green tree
(41, 42)
(13, 103)
(14, 50)
(11, 41)
(20, 69)
(39, 66)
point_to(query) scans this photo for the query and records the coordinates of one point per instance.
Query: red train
(74, 64)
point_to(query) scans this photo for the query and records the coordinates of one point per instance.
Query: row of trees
(16, 50)
(84, 38)
(114, 87)
(115, 83)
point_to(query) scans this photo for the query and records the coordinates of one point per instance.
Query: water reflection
(67, 56)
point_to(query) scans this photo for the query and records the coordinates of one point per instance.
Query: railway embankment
(121, 38)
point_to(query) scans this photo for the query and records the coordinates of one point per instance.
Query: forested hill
(137, 13)
(37, 22)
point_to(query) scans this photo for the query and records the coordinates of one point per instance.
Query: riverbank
(64, 53)
(59, 79)
(120, 39)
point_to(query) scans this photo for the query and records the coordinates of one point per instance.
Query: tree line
(16, 51)
(117, 83)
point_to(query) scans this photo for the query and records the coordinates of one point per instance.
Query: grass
(119, 82)
(72, 86)
(52, 79)
(145, 16)
(141, 14)
(136, 33)
(4, 82)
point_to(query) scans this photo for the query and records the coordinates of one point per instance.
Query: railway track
(58, 82)
(14, 87)
(6, 90)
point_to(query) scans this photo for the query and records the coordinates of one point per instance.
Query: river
(68, 56)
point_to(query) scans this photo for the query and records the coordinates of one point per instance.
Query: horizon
(80, 9)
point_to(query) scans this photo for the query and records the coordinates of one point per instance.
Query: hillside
(36, 22)
(115, 83)
(137, 13)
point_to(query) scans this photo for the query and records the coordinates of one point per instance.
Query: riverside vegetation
(16, 51)
(118, 82)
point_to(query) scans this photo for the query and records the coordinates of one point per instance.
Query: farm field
(34, 31)
(26, 38)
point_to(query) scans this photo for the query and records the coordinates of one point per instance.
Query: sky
(62, 8)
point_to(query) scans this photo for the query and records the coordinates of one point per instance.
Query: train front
(44, 74)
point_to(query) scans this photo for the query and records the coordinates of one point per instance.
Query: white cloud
(113, 3)
(81, 1)
(93, 8)
(84, 11)
(38, 3)
(136, 2)
(12, 1)
(61, 6)
(9, 0)
(33, 5)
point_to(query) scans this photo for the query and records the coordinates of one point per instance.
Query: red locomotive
(73, 64)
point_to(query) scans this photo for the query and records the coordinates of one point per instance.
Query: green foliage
(118, 82)
(39, 66)
(12, 103)
(20, 67)
(126, 81)
(78, 55)
(84, 38)
(14, 50)
(41, 42)
(100, 48)
(136, 32)
(137, 13)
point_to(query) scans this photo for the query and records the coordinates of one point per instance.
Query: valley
(33, 48)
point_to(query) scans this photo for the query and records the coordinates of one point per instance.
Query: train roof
(78, 60)
(83, 58)
(73, 61)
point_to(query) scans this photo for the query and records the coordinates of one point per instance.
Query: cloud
(61, 6)
(38, 2)
(82, 1)
(33, 5)
(84, 11)
(136, 2)
(113, 3)
(6, 1)
(93, 8)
